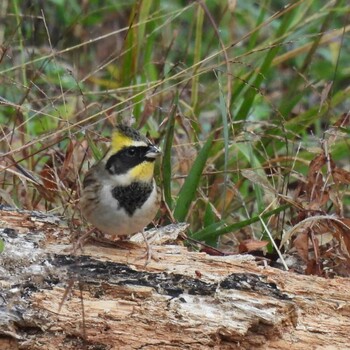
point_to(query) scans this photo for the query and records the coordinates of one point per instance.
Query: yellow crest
(119, 141)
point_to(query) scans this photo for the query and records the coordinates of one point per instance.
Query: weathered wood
(183, 300)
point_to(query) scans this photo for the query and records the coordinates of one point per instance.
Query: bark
(181, 300)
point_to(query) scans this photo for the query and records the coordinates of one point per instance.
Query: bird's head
(132, 156)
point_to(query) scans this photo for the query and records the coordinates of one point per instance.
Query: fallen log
(103, 297)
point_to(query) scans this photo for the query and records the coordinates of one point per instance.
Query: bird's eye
(131, 152)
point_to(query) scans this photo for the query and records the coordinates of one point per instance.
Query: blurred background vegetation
(241, 96)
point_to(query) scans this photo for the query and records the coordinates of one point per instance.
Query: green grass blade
(214, 231)
(189, 188)
(293, 97)
(250, 94)
(254, 37)
(127, 72)
(224, 115)
(97, 153)
(209, 219)
(314, 113)
(197, 55)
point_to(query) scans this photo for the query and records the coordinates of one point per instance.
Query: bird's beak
(153, 152)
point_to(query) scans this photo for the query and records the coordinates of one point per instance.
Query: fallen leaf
(341, 176)
(313, 268)
(317, 195)
(301, 244)
(250, 245)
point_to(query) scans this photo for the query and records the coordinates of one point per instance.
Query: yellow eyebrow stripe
(120, 141)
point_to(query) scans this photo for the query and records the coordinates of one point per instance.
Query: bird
(119, 193)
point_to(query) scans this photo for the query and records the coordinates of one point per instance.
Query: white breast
(108, 217)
